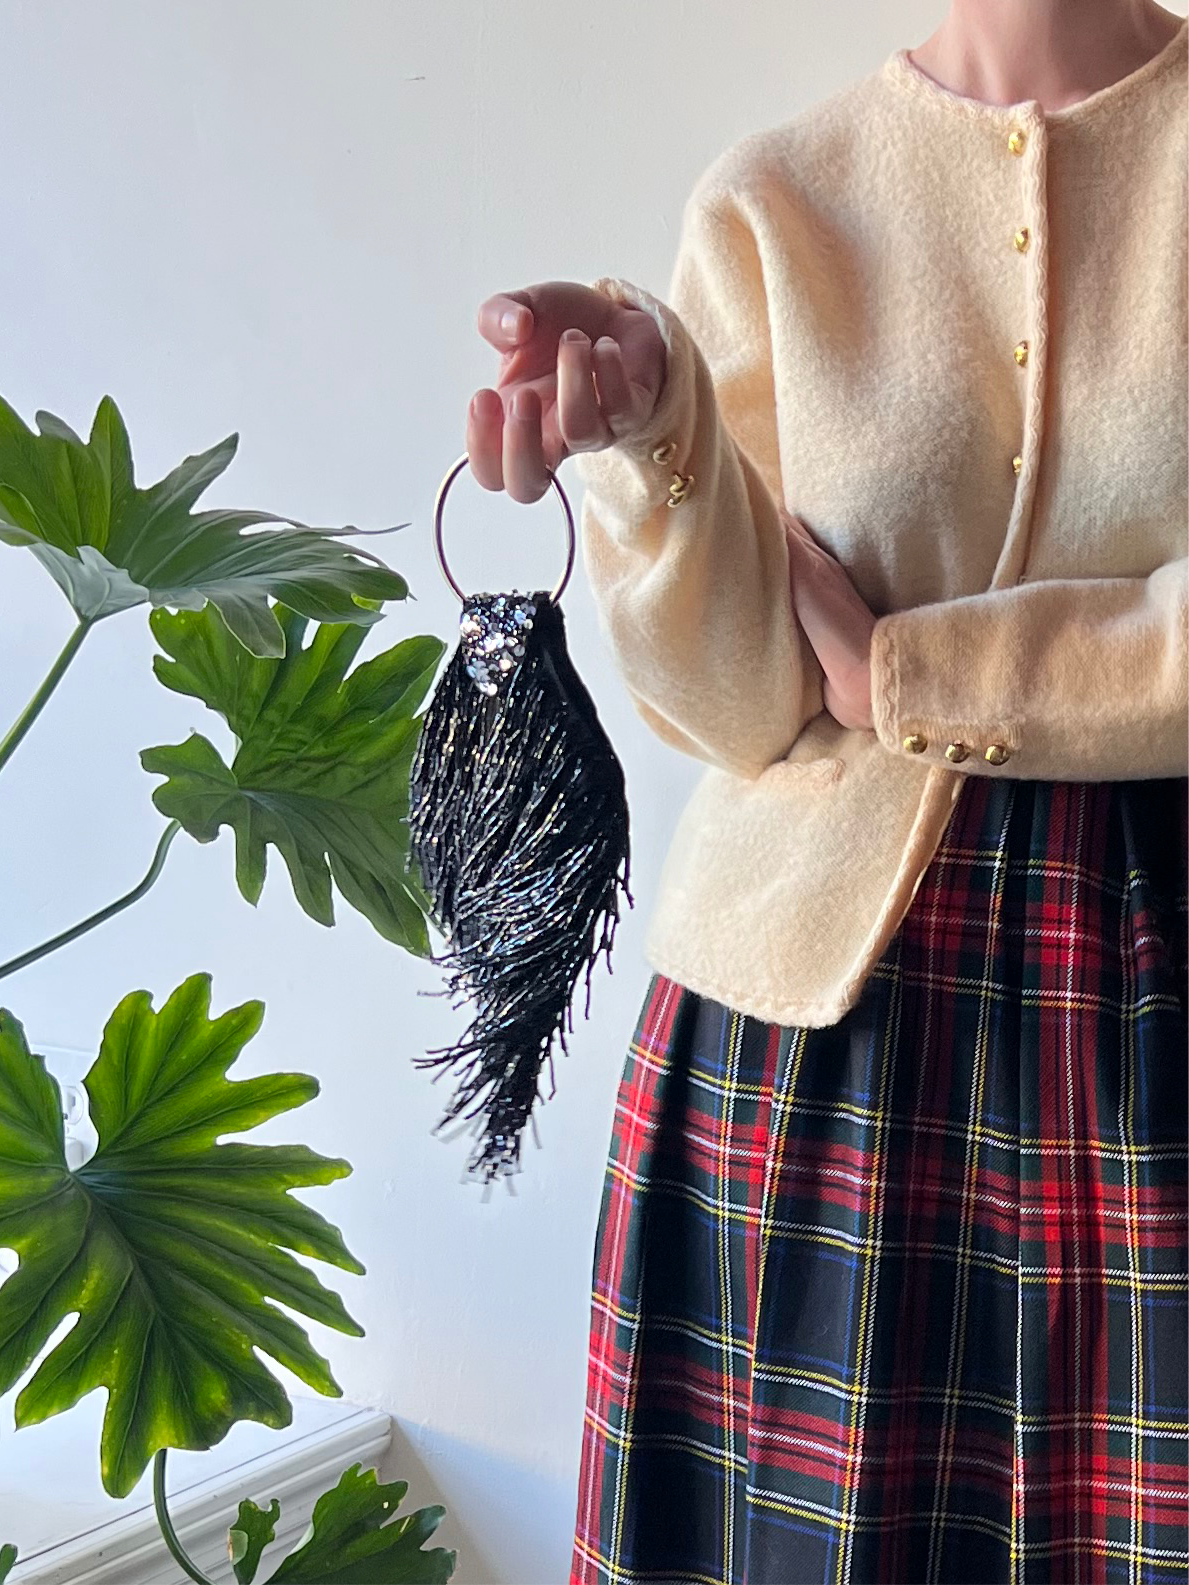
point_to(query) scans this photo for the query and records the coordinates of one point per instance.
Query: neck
(1052, 51)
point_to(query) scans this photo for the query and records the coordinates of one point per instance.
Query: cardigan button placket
(1017, 142)
(1020, 140)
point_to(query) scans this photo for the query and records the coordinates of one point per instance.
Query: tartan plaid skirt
(904, 1300)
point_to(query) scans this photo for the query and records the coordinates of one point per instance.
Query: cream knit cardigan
(951, 337)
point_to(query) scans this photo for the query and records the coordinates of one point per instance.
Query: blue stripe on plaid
(904, 1299)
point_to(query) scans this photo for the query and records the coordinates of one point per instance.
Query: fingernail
(573, 335)
(522, 403)
(510, 321)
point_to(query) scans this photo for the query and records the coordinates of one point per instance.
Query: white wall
(279, 216)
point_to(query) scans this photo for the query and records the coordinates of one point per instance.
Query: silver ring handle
(439, 507)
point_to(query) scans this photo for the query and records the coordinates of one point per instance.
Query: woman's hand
(577, 373)
(837, 621)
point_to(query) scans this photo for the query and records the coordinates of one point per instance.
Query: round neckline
(901, 69)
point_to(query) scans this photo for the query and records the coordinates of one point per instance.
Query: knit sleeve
(693, 597)
(1068, 680)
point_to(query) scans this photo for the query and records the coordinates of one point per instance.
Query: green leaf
(8, 1556)
(322, 767)
(110, 545)
(172, 1250)
(355, 1538)
(249, 1536)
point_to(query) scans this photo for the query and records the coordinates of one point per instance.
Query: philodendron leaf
(173, 1250)
(8, 1556)
(355, 1538)
(249, 1536)
(322, 766)
(110, 544)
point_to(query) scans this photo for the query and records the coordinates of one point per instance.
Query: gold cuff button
(1020, 353)
(665, 454)
(997, 754)
(1021, 240)
(1016, 141)
(680, 488)
(1017, 462)
(956, 753)
(915, 743)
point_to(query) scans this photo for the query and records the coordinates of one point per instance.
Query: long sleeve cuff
(631, 464)
(1070, 680)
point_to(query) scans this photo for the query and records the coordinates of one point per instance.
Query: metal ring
(440, 503)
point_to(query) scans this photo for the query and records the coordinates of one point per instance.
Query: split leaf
(321, 771)
(249, 1536)
(110, 545)
(173, 1251)
(355, 1538)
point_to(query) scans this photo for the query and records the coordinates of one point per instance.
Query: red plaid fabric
(904, 1299)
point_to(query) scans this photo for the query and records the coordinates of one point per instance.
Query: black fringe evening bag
(518, 824)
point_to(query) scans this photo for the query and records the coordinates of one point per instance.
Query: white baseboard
(294, 1466)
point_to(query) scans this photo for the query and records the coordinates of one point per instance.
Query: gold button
(956, 753)
(1016, 141)
(665, 453)
(997, 754)
(1020, 353)
(1017, 462)
(680, 488)
(915, 743)
(1021, 239)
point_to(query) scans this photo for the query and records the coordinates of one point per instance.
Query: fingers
(506, 445)
(582, 425)
(809, 561)
(518, 433)
(525, 478)
(506, 320)
(615, 397)
(799, 533)
(485, 438)
(595, 400)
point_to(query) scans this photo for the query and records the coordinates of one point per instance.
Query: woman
(885, 521)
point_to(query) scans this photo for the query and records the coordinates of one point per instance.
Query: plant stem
(169, 1534)
(35, 706)
(66, 936)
